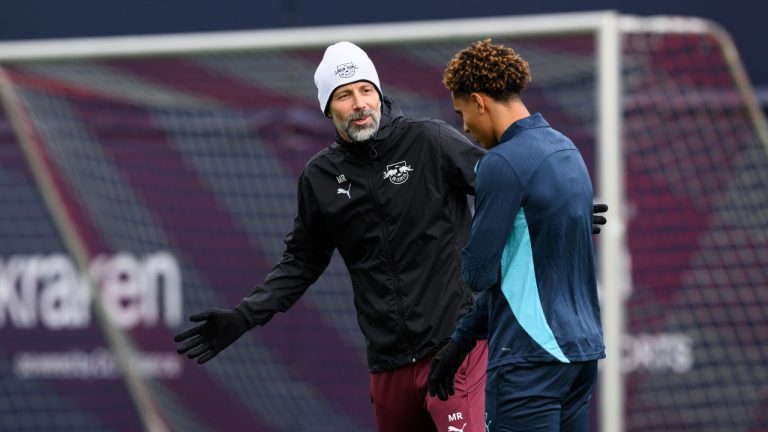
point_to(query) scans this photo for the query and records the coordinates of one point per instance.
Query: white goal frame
(608, 28)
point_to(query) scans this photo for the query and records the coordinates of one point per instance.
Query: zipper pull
(372, 151)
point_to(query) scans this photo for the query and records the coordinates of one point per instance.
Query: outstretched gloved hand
(219, 328)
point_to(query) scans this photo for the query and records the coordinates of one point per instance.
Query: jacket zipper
(388, 251)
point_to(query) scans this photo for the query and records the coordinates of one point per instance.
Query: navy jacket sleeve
(473, 326)
(498, 201)
(308, 250)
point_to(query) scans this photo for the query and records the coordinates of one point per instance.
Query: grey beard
(359, 134)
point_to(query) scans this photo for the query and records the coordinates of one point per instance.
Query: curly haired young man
(529, 255)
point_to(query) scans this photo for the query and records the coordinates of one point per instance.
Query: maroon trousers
(401, 402)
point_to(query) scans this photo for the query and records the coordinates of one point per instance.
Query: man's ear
(478, 101)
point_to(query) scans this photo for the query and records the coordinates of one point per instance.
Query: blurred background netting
(178, 175)
(697, 183)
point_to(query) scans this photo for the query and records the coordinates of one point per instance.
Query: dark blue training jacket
(530, 252)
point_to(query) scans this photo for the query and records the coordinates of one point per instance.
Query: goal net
(144, 179)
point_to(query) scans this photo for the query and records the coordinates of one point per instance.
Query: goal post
(612, 257)
(174, 161)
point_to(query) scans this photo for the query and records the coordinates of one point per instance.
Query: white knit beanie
(343, 63)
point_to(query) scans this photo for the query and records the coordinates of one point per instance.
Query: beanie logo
(346, 70)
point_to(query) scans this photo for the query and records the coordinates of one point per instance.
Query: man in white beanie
(390, 193)
(346, 65)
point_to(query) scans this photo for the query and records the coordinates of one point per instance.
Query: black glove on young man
(443, 369)
(219, 329)
(598, 220)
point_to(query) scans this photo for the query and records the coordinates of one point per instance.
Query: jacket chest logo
(341, 179)
(342, 191)
(397, 173)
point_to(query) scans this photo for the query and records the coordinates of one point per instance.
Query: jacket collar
(533, 121)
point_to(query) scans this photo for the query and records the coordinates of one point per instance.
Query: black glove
(219, 329)
(598, 220)
(444, 366)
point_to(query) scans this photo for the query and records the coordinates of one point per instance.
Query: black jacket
(396, 209)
